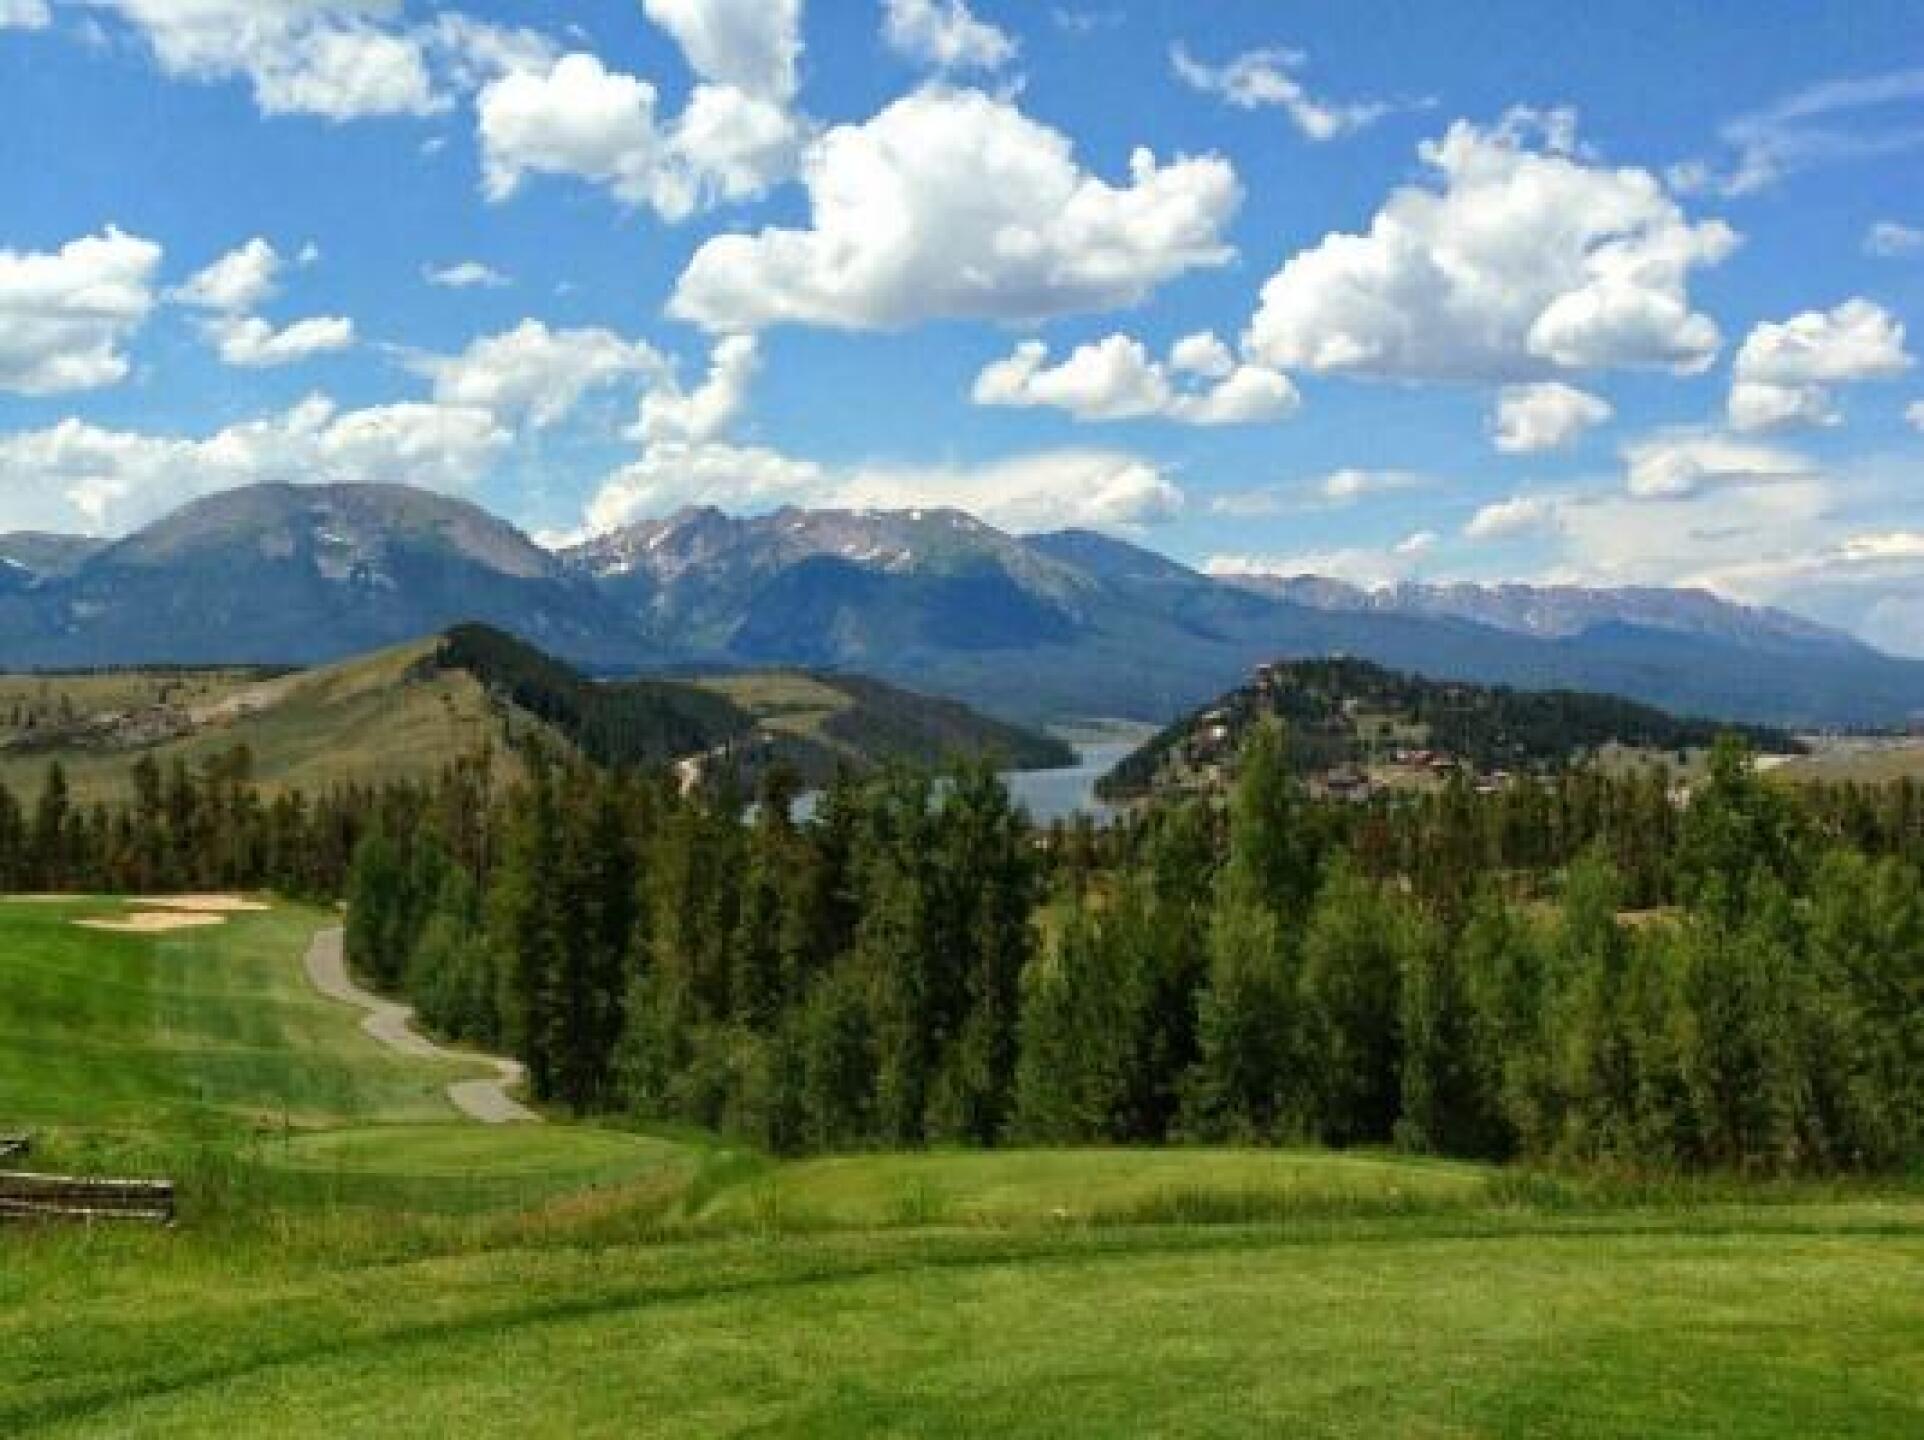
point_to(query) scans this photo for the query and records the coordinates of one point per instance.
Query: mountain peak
(1064, 624)
(1556, 612)
(343, 528)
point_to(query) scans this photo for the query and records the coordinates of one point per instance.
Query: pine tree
(452, 976)
(1273, 861)
(47, 839)
(1445, 1107)
(838, 1061)
(1080, 1007)
(1358, 946)
(1864, 1033)
(376, 906)
(1245, 1078)
(1742, 1063)
(984, 898)
(1592, 1053)
(593, 916)
(523, 923)
(1503, 969)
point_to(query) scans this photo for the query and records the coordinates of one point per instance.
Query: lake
(1061, 794)
(1051, 795)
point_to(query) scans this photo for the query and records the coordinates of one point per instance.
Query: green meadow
(355, 1259)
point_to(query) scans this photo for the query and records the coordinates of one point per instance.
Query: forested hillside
(406, 712)
(1380, 728)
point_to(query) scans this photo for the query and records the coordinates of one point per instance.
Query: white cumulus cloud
(1117, 379)
(1508, 519)
(252, 343)
(703, 415)
(337, 59)
(945, 34)
(333, 58)
(1372, 567)
(580, 119)
(1545, 416)
(78, 476)
(952, 203)
(536, 375)
(689, 457)
(66, 315)
(1522, 258)
(751, 45)
(1337, 490)
(1785, 371)
(238, 283)
(1097, 489)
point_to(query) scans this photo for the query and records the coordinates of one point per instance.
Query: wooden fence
(25, 1196)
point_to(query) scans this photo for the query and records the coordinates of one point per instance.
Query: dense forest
(1580, 968)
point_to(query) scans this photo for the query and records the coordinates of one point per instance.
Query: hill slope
(1354, 728)
(405, 711)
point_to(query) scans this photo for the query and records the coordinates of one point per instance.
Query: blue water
(1051, 795)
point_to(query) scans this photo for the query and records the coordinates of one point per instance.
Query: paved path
(393, 1025)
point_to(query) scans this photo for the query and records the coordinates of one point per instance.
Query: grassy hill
(406, 711)
(354, 1260)
(1362, 727)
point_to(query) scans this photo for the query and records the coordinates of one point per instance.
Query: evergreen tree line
(185, 828)
(851, 981)
(1771, 1020)
(1582, 968)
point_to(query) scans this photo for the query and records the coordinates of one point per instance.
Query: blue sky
(1609, 294)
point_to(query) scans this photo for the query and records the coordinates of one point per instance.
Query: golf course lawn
(354, 1259)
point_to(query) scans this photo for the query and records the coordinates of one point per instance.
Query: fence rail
(26, 1196)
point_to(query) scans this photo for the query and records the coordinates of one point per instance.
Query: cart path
(392, 1024)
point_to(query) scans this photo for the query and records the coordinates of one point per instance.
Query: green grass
(354, 1260)
(1171, 1331)
(1016, 1188)
(459, 1169)
(369, 720)
(182, 1032)
(205, 1055)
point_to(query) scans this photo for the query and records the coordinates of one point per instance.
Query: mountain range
(1047, 626)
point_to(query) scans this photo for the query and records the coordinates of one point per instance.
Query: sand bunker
(203, 904)
(152, 922)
